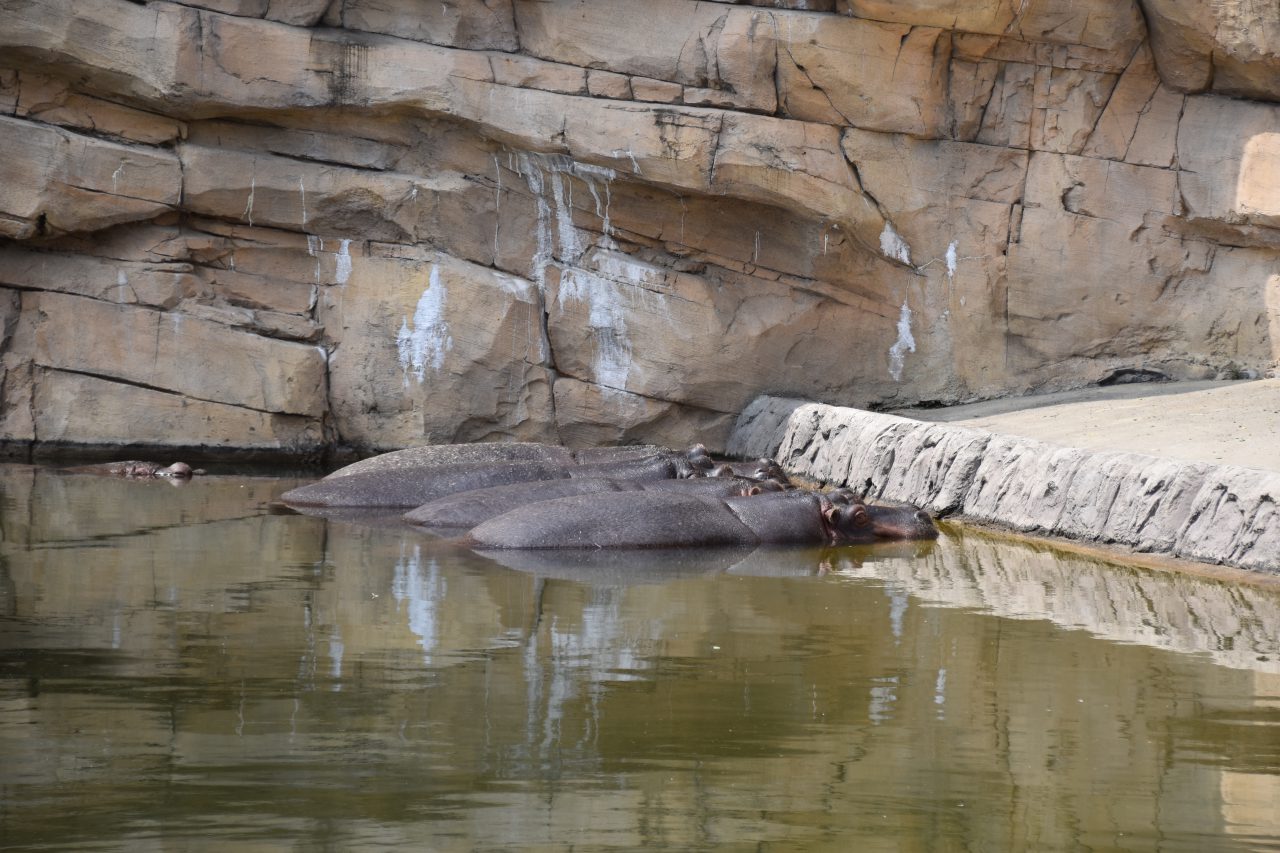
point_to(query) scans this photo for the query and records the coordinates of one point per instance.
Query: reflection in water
(187, 668)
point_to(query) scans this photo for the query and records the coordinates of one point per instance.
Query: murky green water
(184, 669)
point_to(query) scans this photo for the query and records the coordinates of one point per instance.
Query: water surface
(190, 668)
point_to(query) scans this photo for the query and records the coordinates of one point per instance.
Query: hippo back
(596, 455)
(411, 487)
(656, 466)
(646, 519)
(782, 518)
(459, 454)
(467, 509)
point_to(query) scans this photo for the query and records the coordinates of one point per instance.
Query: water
(191, 669)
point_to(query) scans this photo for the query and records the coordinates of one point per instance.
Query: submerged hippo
(467, 509)
(134, 469)
(414, 486)
(673, 520)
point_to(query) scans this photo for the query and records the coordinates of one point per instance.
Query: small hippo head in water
(178, 471)
(854, 521)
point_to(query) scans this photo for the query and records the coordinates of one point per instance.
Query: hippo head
(762, 486)
(699, 460)
(767, 469)
(178, 470)
(855, 521)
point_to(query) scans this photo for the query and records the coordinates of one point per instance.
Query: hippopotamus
(134, 469)
(496, 453)
(467, 509)
(414, 486)
(671, 520)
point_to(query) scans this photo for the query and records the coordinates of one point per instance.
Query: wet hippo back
(459, 454)
(658, 466)
(411, 487)
(467, 509)
(782, 518)
(646, 519)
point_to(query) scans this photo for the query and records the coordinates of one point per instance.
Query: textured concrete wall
(1211, 513)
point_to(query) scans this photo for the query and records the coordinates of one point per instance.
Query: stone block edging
(1209, 513)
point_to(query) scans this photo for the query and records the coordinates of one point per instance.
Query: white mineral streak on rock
(424, 345)
(115, 178)
(952, 260)
(315, 246)
(904, 344)
(571, 247)
(535, 168)
(302, 190)
(590, 174)
(497, 204)
(893, 246)
(342, 270)
(532, 174)
(248, 205)
(606, 318)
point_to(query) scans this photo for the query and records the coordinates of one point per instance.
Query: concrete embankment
(1222, 514)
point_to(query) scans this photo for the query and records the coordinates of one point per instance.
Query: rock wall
(1196, 511)
(289, 225)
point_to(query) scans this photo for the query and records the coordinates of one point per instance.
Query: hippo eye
(858, 515)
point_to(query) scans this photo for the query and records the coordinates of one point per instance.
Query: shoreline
(1136, 506)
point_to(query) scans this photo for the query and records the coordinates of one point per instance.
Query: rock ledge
(1221, 514)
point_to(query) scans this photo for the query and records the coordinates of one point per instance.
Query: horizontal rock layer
(1210, 513)
(297, 225)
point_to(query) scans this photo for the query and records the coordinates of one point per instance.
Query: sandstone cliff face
(289, 224)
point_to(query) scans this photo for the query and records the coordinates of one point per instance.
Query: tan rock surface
(643, 215)
(472, 24)
(1100, 24)
(80, 409)
(57, 181)
(1231, 47)
(431, 348)
(167, 351)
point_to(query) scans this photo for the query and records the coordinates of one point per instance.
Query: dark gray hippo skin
(134, 469)
(492, 452)
(672, 520)
(413, 487)
(467, 509)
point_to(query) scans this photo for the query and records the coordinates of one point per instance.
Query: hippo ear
(828, 510)
(752, 491)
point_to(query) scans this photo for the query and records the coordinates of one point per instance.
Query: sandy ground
(1232, 423)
